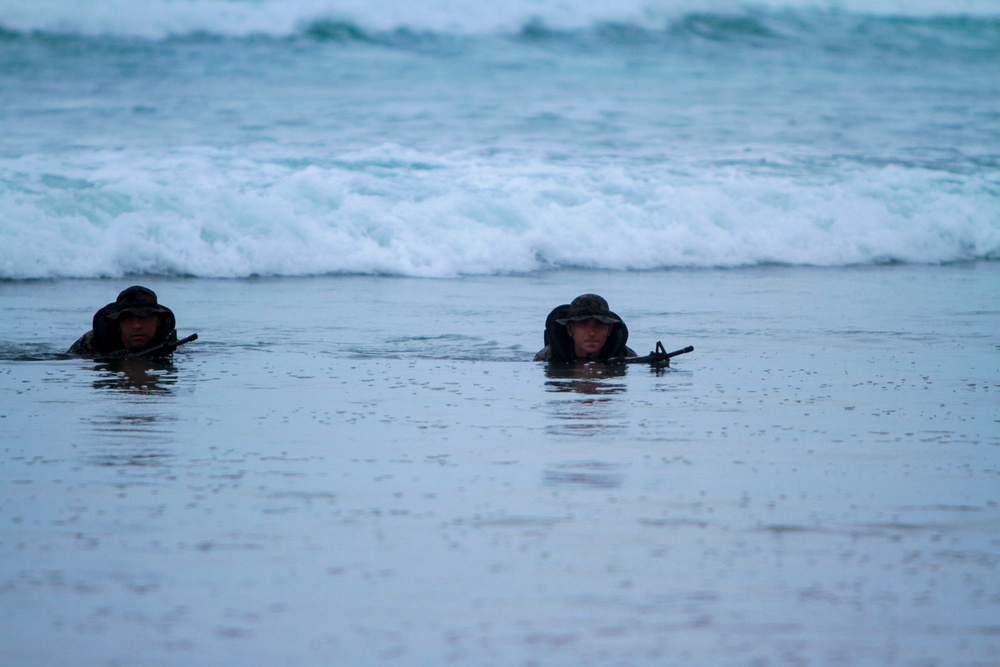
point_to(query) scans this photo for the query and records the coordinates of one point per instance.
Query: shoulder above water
(84, 345)
(545, 354)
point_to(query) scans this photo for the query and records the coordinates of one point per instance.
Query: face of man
(137, 332)
(588, 336)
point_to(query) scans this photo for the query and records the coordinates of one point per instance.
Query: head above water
(590, 331)
(137, 301)
(587, 307)
(134, 321)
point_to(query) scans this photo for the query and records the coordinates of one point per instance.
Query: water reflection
(132, 440)
(585, 378)
(584, 474)
(597, 411)
(140, 376)
(28, 352)
(141, 438)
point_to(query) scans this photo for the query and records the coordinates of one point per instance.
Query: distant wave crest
(628, 21)
(388, 211)
(933, 38)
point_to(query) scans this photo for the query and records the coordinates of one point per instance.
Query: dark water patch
(131, 441)
(626, 34)
(982, 558)
(838, 32)
(585, 430)
(785, 528)
(514, 521)
(142, 376)
(910, 35)
(424, 339)
(942, 508)
(441, 347)
(845, 33)
(723, 27)
(590, 378)
(673, 522)
(584, 474)
(537, 31)
(30, 352)
(212, 545)
(348, 34)
(898, 526)
(30, 45)
(143, 424)
(587, 409)
(57, 182)
(151, 458)
(328, 30)
(890, 530)
(8, 35)
(131, 450)
(308, 496)
(594, 413)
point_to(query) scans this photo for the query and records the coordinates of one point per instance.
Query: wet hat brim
(589, 316)
(138, 311)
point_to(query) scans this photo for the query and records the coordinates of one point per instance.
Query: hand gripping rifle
(659, 357)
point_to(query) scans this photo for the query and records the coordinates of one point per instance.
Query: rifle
(164, 348)
(161, 350)
(659, 357)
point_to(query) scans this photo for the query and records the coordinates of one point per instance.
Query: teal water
(365, 212)
(288, 139)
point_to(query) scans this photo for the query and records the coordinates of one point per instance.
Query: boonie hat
(140, 301)
(590, 306)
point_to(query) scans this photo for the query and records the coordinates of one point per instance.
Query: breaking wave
(392, 211)
(888, 22)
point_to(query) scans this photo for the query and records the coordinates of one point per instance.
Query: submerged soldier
(134, 322)
(584, 330)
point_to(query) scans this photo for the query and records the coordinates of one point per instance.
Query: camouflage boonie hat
(590, 306)
(140, 301)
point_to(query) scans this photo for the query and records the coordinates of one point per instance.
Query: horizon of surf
(295, 138)
(160, 19)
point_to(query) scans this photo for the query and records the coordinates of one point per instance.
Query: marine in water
(584, 330)
(133, 323)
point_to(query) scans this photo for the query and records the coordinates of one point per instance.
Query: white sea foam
(164, 18)
(206, 213)
(232, 157)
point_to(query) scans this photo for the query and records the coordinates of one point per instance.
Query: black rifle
(659, 357)
(164, 348)
(161, 350)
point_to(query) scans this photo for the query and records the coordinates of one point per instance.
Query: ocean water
(303, 137)
(370, 470)
(366, 210)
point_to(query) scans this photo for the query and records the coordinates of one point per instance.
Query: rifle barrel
(660, 355)
(677, 353)
(169, 347)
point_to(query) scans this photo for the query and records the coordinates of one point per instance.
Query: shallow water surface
(367, 470)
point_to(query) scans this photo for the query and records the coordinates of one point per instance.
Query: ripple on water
(584, 474)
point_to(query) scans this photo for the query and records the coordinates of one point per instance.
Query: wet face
(588, 336)
(137, 331)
